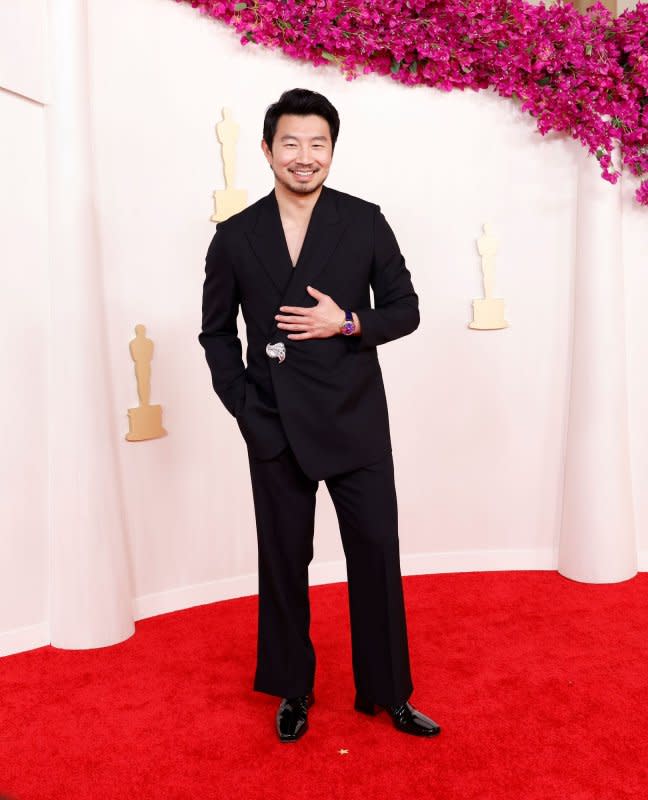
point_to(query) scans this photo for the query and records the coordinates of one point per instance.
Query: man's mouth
(303, 173)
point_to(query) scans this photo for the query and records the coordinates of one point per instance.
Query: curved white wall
(478, 418)
(24, 308)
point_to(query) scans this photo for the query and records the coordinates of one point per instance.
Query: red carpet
(540, 685)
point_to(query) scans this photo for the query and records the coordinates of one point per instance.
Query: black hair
(301, 102)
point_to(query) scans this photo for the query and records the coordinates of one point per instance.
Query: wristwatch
(348, 326)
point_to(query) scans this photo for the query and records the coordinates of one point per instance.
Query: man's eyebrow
(294, 136)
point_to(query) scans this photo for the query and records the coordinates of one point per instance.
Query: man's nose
(305, 156)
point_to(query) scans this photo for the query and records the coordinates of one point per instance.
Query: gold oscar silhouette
(488, 311)
(145, 421)
(228, 201)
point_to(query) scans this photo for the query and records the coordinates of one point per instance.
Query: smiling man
(311, 406)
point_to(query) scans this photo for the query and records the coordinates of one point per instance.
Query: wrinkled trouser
(365, 504)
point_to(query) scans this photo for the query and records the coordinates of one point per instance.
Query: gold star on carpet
(343, 752)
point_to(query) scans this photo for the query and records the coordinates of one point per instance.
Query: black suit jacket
(326, 399)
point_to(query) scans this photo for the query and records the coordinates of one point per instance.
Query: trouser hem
(280, 693)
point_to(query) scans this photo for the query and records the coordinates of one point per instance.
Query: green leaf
(328, 56)
(544, 81)
(396, 65)
(502, 45)
(588, 49)
(413, 67)
(240, 6)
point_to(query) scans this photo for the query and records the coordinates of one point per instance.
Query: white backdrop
(478, 425)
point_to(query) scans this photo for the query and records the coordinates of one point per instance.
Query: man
(311, 406)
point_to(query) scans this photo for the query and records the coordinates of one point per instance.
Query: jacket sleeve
(396, 311)
(219, 335)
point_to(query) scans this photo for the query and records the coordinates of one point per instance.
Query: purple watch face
(348, 327)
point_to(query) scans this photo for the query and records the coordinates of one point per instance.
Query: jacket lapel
(269, 243)
(324, 232)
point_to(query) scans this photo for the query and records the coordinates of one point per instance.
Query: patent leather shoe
(292, 717)
(405, 717)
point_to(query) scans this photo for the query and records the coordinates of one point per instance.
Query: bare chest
(295, 234)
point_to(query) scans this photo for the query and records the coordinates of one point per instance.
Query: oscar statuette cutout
(228, 201)
(145, 421)
(488, 311)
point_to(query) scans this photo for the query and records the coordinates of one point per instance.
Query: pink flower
(642, 193)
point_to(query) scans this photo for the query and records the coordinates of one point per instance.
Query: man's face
(301, 152)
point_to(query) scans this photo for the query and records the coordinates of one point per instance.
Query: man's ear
(266, 150)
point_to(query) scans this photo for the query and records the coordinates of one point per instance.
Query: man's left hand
(319, 322)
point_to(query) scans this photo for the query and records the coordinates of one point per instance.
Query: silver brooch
(276, 351)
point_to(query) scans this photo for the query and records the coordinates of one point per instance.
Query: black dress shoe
(292, 717)
(405, 717)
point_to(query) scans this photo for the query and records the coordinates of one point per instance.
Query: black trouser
(365, 503)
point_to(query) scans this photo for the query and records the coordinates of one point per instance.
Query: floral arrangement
(583, 74)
